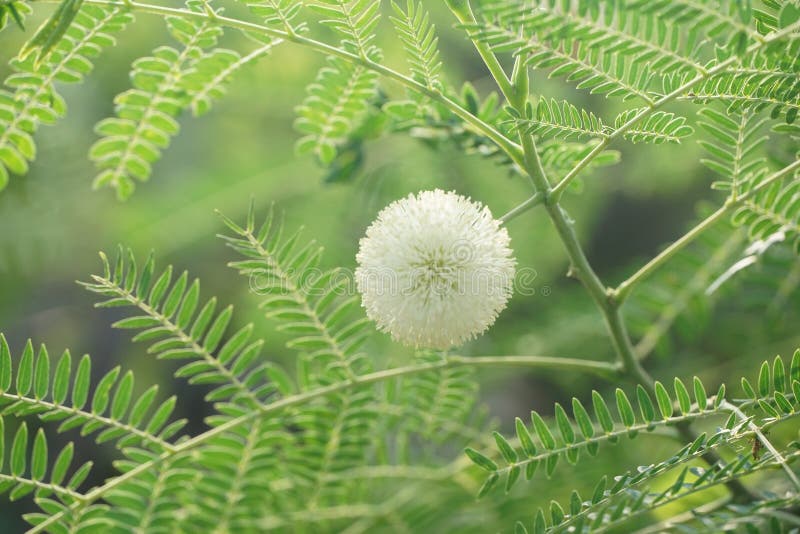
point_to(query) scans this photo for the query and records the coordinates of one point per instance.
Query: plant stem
(508, 146)
(512, 91)
(65, 411)
(589, 366)
(666, 99)
(604, 369)
(18, 480)
(535, 200)
(694, 285)
(463, 12)
(580, 266)
(623, 290)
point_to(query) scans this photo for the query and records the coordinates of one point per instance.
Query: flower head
(434, 269)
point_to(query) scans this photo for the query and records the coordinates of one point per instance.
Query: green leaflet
(16, 10)
(48, 35)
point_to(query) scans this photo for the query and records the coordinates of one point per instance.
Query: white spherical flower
(435, 269)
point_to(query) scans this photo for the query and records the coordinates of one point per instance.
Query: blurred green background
(52, 225)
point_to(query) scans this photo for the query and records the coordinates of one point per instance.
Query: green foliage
(34, 99)
(677, 304)
(629, 497)
(14, 11)
(566, 443)
(629, 49)
(51, 32)
(307, 301)
(438, 398)
(354, 21)
(339, 97)
(37, 465)
(139, 425)
(763, 85)
(178, 327)
(146, 114)
(207, 79)
(773, 209)
(279, 13)
(563, 120)
(257, 469)
(347, 438)
(440, 126)
(728, 23)
(659, 127)
(336, 103)
(734, 143)
(613, 55)
(114, 411)
(420, 41)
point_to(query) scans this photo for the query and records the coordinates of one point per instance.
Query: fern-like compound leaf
(607, 513)
(147, 502)
(612, 53)
(542, 446)
(760, 514)
(338, 99)
(15, 11)
(146, 114)
(773, 209)
(758, 84)
(337, 102)
(114, 413)
(560, 120)
(558, 157)
(307, 302)
(335, 438)
(419, 38)
(729, 24)
(240, 460)
(635, 493)
(33, 99)
(205, 82)
(179, 326)
(659, 127)
(52, 30)
(564, 120)
(354, 21)
(734, 140)
(279, 13)
(32, 469)
(438, 397)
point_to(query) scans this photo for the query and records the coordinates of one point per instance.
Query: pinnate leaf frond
(171, 318)
(33, 99)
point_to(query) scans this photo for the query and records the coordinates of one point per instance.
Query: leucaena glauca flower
(435, 269)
